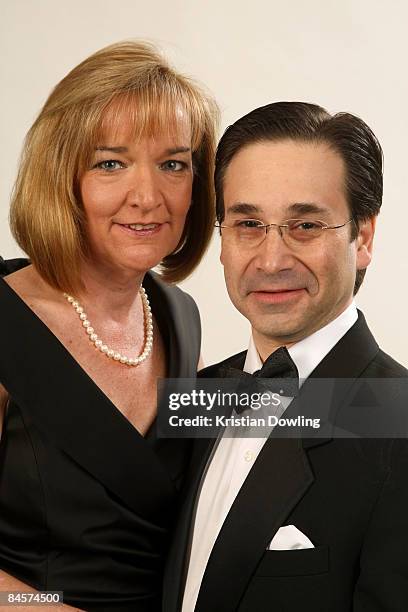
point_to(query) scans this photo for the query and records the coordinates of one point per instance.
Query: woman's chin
(140, 264)
(132, 261)
(146, 258)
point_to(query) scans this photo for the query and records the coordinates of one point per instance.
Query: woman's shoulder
(17, 275)
(25, 295)
(22, 281)
(9, 266)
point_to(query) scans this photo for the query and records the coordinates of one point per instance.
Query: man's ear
(221, 252)
(221, 257)
(364, 242)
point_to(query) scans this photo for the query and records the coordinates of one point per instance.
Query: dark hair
(347, 134)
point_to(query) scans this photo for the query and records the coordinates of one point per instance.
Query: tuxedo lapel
(280, 477)
(351, 355)
(346, 362)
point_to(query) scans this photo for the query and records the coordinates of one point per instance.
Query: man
(312, 524)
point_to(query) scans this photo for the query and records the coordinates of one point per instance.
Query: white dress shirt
(235, 454)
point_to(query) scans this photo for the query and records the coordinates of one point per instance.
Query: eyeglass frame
(266, 226)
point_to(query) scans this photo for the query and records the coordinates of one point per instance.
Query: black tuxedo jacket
(348, 496)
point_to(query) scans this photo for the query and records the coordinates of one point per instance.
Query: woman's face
(136, 196)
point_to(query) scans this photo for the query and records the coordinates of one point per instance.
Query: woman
(115, 179)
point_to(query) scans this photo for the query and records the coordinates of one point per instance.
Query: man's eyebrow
(297, 208)
(305, 208)
(243, 208)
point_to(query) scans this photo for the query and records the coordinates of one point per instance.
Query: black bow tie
(278, 374)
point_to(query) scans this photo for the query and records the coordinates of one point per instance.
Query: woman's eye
(110, 165)
(173, 165)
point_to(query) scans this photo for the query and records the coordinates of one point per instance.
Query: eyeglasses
(249, 233)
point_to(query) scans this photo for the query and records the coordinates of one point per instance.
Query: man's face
(289, 291)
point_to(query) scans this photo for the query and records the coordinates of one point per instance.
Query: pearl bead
(103, 348)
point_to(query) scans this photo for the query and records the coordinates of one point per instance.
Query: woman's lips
(140, 229)
(277, 297)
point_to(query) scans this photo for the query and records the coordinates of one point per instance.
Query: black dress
(86, 503)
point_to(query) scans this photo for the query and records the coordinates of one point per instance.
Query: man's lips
(276, 296)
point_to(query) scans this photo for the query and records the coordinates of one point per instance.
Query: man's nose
(143, 189)
(273, 255)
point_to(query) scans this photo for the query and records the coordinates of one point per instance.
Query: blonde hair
(46, 215)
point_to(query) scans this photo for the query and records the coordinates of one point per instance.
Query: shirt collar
(309, 352)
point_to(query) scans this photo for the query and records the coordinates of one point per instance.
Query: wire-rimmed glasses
(249, 233)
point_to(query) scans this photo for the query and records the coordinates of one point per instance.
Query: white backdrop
(346, 56)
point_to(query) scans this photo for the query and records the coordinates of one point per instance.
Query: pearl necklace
(105, 350)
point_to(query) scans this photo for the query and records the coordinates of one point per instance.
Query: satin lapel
(280, 477)
(83, 421)
(345, 363)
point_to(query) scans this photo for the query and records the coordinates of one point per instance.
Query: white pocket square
(289, 538)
